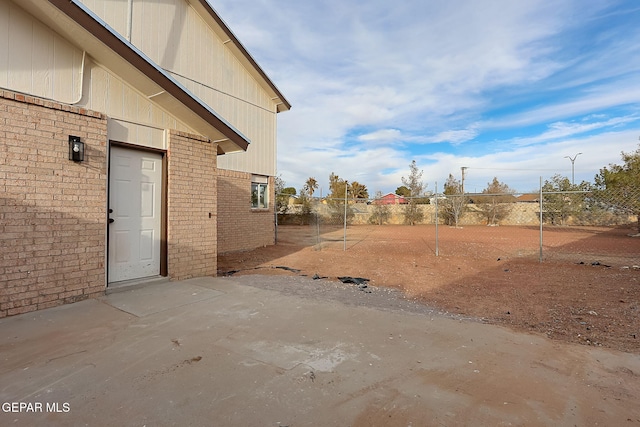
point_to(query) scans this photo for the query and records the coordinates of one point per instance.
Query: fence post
(317, 228)
(344, 245)
(541, 207)
(318, 206)
(275, 213)
(436, 218)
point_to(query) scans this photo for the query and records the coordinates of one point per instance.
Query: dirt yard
(586, 289)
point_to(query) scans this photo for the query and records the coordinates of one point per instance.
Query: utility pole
(463, 168)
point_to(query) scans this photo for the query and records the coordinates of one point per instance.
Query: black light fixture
(76, 149)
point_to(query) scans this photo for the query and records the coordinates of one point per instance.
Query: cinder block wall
(240, 227)
(192, 198)
(52, 210)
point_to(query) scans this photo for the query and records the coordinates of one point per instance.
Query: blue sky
(504, 88)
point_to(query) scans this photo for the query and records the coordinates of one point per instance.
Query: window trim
(260, 182)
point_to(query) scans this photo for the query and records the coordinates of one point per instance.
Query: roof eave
(203, 6)
(197, 113)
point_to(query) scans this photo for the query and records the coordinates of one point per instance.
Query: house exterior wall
(52, 210)
(134, 117)
(193, 52)
(192, 198)
(390, 199)
(239, 226)
(184, 43)
(36, 60)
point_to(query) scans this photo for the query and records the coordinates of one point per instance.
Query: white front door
(135, 193)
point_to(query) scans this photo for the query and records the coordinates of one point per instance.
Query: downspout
(84, 56)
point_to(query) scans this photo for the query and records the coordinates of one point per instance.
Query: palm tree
(358, 191)
(311, 185)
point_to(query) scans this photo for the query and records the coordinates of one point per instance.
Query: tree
(286, 194)
(618, 186)
(358, 191)
(561, 199)
(291, 191)
(412, 212)
(556, 209)
(338, 188)
(282, 197)
(304, 200)
(403, 191)
(310, 186)
(454, 203)
(380, 212)
(497, 202)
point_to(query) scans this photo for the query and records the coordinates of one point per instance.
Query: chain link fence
(584, 226)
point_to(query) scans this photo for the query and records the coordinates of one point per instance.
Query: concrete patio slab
(155, 298)
(229, 351)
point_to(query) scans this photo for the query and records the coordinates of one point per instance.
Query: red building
(390, 199)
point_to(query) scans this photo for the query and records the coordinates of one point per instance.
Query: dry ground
(586, 290)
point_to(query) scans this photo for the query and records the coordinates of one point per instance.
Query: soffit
(81, 27)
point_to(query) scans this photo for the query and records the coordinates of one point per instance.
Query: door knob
(111, 220)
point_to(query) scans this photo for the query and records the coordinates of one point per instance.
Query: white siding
(113, 12)
(145, 135)
(35, 60)
(133, 117)
(174, 36)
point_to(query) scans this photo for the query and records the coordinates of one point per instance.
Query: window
(259, 192)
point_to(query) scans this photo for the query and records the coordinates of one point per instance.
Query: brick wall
(239, 226)
(52, 210)
(192, 216)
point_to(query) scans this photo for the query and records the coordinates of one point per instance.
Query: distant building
(528, 198)
(390, 199)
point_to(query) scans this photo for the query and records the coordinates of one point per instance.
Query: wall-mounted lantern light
(76, 149)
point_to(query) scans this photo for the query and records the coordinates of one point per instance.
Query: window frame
(259, 192)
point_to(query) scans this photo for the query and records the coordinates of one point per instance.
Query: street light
(573, 160)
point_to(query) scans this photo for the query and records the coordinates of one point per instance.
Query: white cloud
(559, 130)
(382, 135)
(455, 136)
(625, 92)
(421, 76)
(522, 166)
(365, 166)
